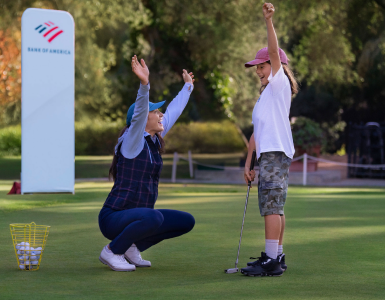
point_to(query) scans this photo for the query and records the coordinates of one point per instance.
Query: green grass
(98, 166)
(334, 246)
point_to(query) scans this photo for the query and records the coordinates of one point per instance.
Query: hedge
(208, 137)
(10, 141)
(96, 138)
(99, 138)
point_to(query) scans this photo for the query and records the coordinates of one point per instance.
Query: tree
(336, 47)
(10, 74)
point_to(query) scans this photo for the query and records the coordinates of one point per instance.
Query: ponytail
(112, 171)
(293, 81)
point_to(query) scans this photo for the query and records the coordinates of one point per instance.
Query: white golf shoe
(134, 257)
(115, 262)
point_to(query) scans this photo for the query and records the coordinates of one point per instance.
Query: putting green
(334, 246)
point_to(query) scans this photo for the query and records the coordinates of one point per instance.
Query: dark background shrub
(306, 133)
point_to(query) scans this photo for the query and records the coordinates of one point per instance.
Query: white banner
(48, 92)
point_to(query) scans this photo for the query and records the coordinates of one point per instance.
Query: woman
(273, 141)
(128, 217)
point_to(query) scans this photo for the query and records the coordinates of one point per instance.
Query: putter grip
(252, 164)
(252, 161)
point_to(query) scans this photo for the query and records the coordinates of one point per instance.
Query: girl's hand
(140, 70)
(188, 77)
(268, 10)
(249, 175)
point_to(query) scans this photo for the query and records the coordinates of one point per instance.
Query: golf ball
(34, 262)
(38, 250)
(18, 246)
(23, 257)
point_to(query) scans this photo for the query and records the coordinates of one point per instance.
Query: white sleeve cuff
(143, 89)
(188, 87)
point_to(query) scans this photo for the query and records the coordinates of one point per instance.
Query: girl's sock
(271, 248)
(280, 249)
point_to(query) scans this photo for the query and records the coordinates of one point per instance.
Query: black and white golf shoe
(264, 266)
(281, 259)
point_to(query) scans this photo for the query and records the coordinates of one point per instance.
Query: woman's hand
(140, 70)
(268, 10)
(249, 175)
(188, 77)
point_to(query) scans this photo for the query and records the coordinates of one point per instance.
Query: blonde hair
(289, 73)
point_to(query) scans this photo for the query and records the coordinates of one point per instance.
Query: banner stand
(48, 98)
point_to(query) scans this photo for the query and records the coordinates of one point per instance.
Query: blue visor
(152, 106)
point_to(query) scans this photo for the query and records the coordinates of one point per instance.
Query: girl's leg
(272, 190)
(273, 227)
(125, 227)
(272, 234)
(175, 223)
(282, 230)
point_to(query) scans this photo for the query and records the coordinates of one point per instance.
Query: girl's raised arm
(272, 41)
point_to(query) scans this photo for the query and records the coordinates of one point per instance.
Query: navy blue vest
(136, 183)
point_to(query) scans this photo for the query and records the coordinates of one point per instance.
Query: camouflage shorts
(273, 182)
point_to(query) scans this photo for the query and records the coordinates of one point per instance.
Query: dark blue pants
(143, 227)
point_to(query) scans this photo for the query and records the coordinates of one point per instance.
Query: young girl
(273, 142)
(128, 217)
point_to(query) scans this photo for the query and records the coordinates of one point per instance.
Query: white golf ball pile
(28, 255)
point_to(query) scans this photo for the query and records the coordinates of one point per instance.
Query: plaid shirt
(136, 183)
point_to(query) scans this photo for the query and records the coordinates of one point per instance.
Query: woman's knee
(189, 221)
(153, 219)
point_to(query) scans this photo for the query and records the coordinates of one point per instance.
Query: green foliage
(10, 141)
(306, 133)
(336, 48)
(333, 136)
(97, 137)
(210, 137)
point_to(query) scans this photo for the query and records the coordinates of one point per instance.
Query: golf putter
(235, 270)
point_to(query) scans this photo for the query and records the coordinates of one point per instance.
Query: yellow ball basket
(29, 243)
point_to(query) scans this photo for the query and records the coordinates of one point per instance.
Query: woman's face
(263, 71)
(154, 122)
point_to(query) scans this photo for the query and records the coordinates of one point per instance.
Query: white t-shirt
(272, 131)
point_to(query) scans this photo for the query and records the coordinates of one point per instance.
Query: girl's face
(263, 71)
(154, 120)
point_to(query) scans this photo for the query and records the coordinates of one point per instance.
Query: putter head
(231, 271)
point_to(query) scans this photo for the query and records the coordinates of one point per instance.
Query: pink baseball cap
(263, 56)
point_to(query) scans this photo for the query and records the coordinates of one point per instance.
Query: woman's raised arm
(272, 41)
(133, 138)
(176, 107)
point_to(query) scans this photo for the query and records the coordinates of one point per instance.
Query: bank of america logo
(49, 30)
